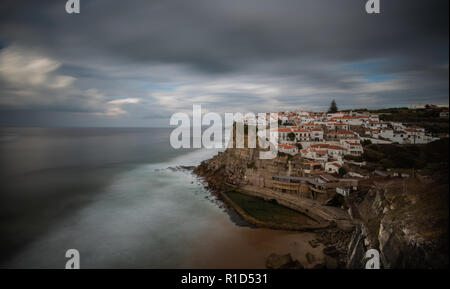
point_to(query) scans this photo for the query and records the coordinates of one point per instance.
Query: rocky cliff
(405, 220)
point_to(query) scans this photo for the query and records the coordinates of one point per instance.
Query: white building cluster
(325, 139)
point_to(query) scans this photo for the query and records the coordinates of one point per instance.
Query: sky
(135, 63)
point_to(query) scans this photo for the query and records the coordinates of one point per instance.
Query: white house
(375, 125)
(314, 154)
(301, 134)
(353, 147)
(332, 167)
(281, 134)
(336, 152)
(414, 135)
(316, 134)
(288, 149)
(338, 135)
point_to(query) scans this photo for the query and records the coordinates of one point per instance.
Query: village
(349, 173)
(323, 152)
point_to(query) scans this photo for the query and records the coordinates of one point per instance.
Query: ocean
(111, 194)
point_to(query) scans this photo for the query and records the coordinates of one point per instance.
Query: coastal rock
(331, 251)
(406, 220)
(314, 243)
(310, 258)
(356, 250)
(277, 261)
(320, 266)
(330, 262)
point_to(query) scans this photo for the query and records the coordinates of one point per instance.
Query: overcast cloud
(134, 63)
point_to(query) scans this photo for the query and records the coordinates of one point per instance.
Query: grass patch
(268, 211)
(431, 157)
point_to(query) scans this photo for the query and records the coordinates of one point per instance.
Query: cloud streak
(138, 62)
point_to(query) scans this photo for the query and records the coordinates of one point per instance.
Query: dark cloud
(308, 51)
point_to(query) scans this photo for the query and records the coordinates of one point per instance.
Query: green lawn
(268, 211)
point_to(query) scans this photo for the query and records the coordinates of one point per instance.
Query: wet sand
(248, 248)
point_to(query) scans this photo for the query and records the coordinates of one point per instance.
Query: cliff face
(243, 166)
(227, 167)
(406, 221)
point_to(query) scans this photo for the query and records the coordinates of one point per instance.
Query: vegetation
(342, 171)
(267, 211)
(366, 142)
(251, 165)
(291, 136)
(412, 115)
(354, 158)
(426, 118)
(333, 107)
(431, 157)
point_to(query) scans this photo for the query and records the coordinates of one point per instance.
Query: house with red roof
(353, 147)
(288, 149)
(338, 135)
(332, 167)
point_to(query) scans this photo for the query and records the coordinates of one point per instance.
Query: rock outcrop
(276, 261)
(406, 221)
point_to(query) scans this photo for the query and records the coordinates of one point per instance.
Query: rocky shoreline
(334, 240)
(387, 217)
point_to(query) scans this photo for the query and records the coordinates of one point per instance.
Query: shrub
(291, 136)
(342, 171)
(353, 158)
(366, 142)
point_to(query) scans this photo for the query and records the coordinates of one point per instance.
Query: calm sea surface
(108, 193)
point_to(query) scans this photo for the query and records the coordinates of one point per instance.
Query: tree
(342, 171)
(291, 136)
(333, 107)
(299, 146)
(366, 142)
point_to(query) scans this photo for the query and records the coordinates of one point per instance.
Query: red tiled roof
(312, 163)
(287, 146)
(282, 130)
(333, 147)
(353, 143)
(341, 132)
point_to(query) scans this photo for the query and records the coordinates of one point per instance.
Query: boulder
(356, 250)
(331, 251)
(310, 258)
(277, 261)
(314, 243)
(319, 266)
(330, 262)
